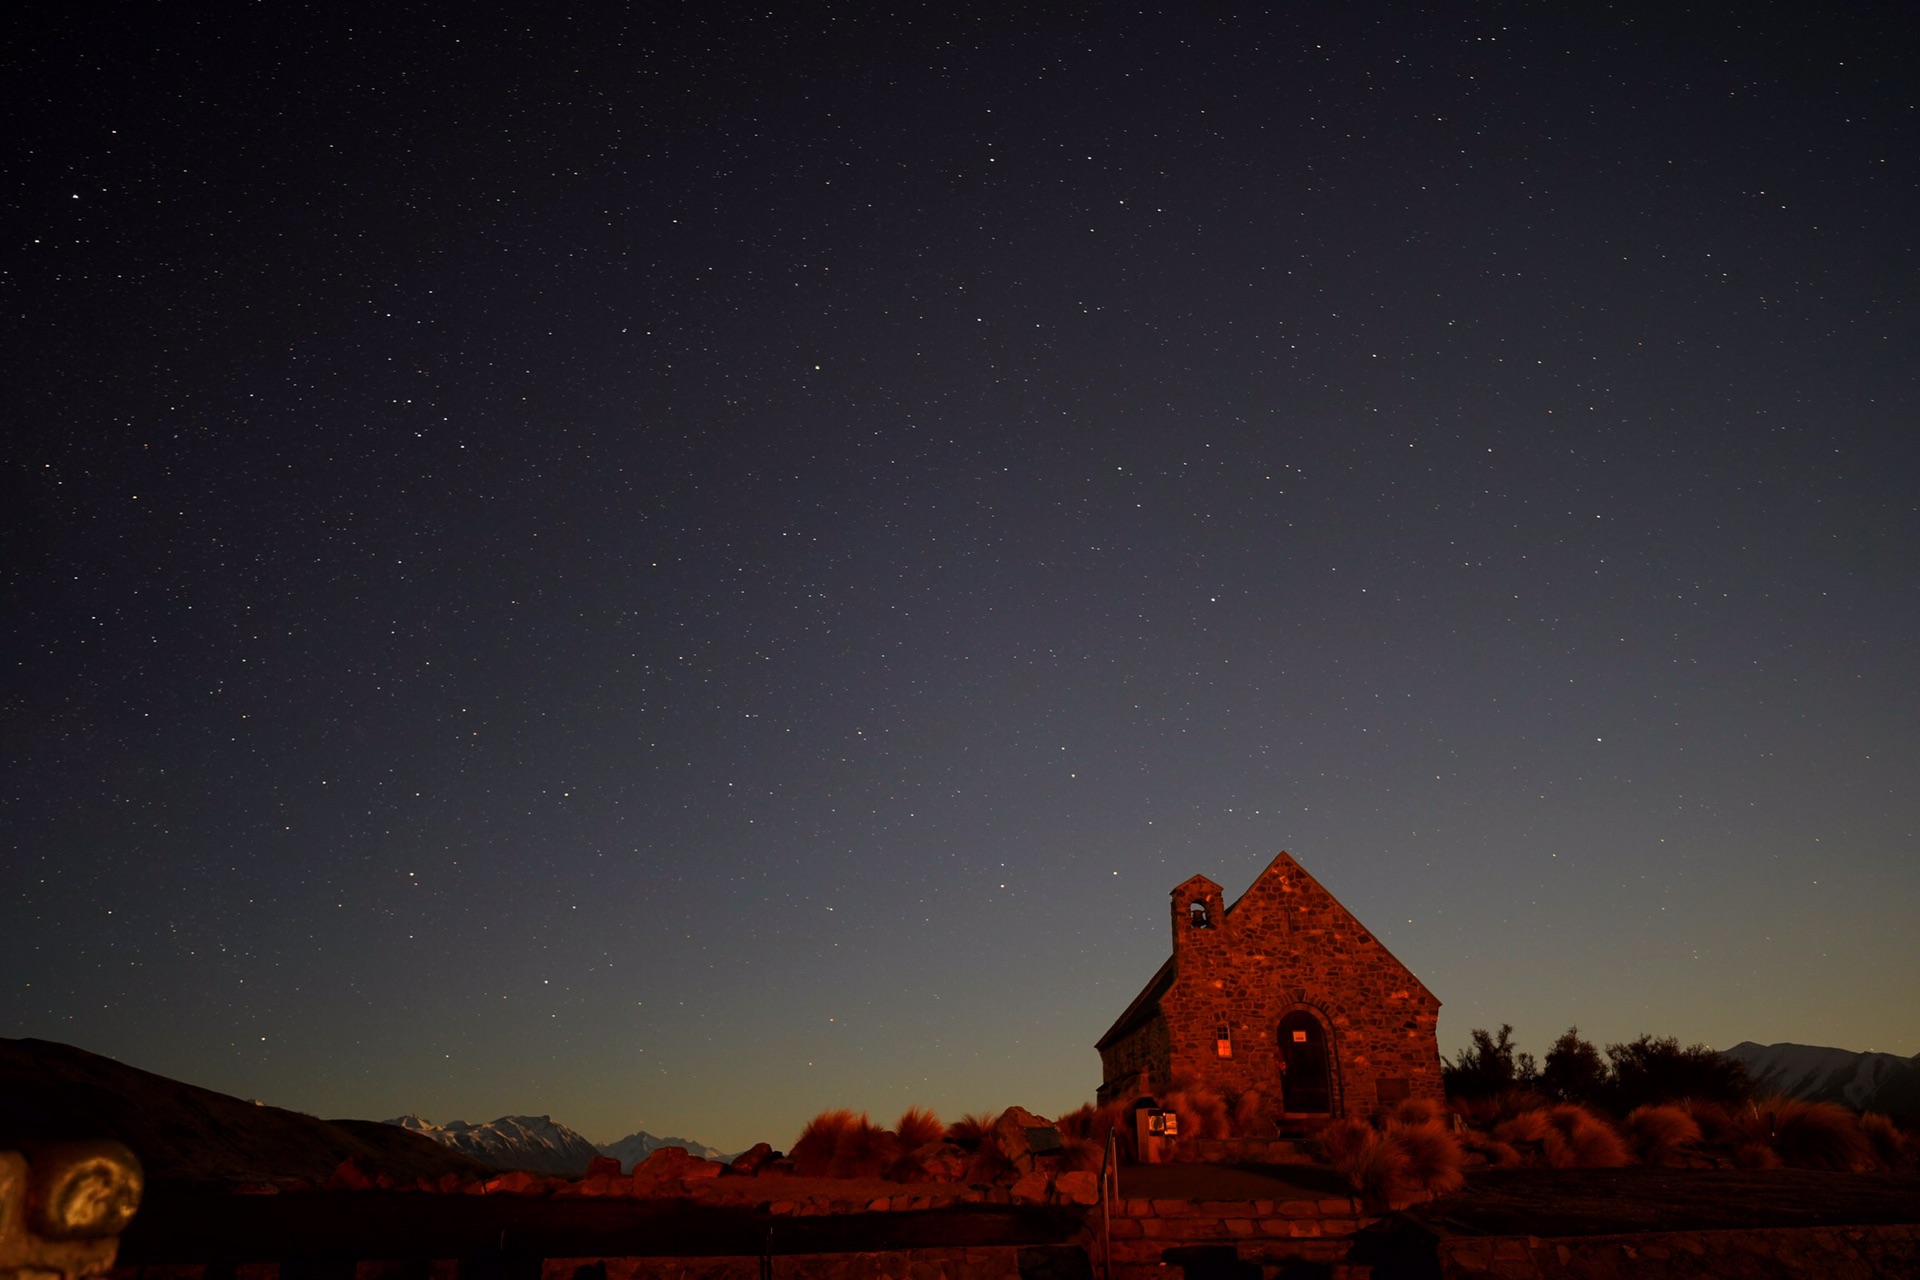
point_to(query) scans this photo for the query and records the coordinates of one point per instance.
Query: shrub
(1650, 1071)
(1658, 1133)
(1488, 1066)
(1574, 1070)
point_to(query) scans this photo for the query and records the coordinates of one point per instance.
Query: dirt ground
(196, 1225)
(178, 1224)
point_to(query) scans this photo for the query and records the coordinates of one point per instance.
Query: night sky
(681, 567)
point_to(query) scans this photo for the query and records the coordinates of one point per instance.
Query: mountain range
(188, 1135)
(542, 1144)
(1869, 1081)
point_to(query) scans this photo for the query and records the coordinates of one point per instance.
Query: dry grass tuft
(1891, 1148)
(1810, 1135)
(1400, 1157)
(971, 1130)
(1372, 1162)
(1433, 1157)
(1254, 1114)
(1202, 1112)
(1717, 1125)
(812, 1152)
(1416, 1111)
(1755, 1155)
(917, 1127)
(1661, 1132)
(1591, 1142)
(865, 1150)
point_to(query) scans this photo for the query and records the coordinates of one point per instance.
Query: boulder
(1022, 1135)
(669, 1169)
(753, 1159)
(608, 1166)
(941, 1162)
(1079, 1187)
(1030, 1188)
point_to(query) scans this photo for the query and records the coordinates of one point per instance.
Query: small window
(1197, 915)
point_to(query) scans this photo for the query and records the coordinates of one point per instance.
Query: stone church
(1284, 992)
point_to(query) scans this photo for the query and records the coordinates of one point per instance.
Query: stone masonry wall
(1289, 945)
(1834, 1252)
(1146, 1048)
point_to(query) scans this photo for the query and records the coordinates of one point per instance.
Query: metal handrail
(1109, 1197)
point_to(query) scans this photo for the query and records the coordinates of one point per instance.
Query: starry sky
(681, 566)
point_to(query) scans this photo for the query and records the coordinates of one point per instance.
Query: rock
(1080, 1187)
(603, 1165)
(669, 1169)
(941, 1162)
(1031, 1188)
(515, 1182)
(753, 1159)
(1021, 1135)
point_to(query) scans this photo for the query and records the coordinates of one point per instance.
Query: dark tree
(1487, 1067)
(1575, 1071)
(1650, 1070)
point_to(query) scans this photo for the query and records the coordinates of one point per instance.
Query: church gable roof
(1251, 905)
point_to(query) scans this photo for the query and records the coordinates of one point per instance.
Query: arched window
(1197, 915)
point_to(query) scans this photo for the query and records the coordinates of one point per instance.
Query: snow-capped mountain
(1866, 1081)
(635, 1147)
(539, 1144)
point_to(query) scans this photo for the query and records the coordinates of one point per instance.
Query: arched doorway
(1304, 1079)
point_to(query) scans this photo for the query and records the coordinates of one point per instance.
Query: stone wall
(1289, 945)
(1151, 1237)
(1145, 1049)
(1832, 1253)
(987, 1262)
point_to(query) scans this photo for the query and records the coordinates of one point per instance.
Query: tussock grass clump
(1567, 1136)
(1893, 1149)
(1253, 1114)
(1496, 1153)
(812, 1152)
(1718, 1128)
(917, 1127)
(841, 1144)
(1202, 1112)
(1395, 1158)
(1809, 1135)
(1591, 1143)
(1660, 1133)
(970, 1130)
(1433, 1157)
(1372, 1162)
(1417, 1111)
